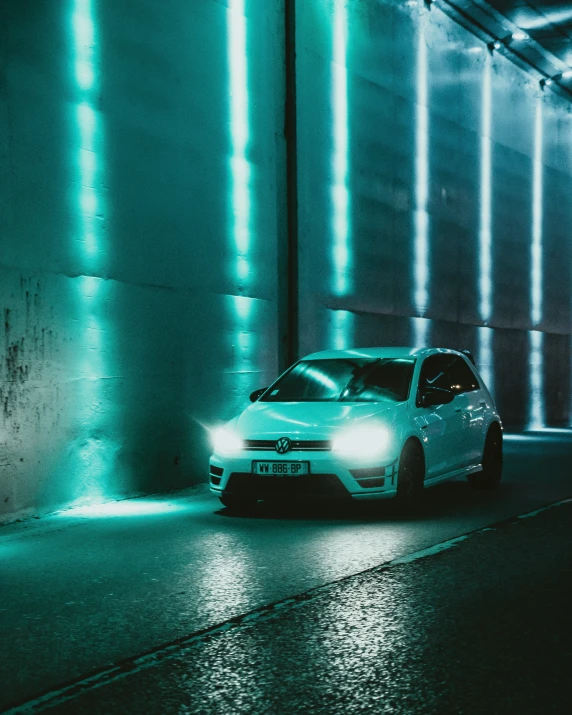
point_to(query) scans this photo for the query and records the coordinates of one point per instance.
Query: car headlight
(364, 441)
(225, 441)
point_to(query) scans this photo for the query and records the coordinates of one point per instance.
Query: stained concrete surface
(80, 592)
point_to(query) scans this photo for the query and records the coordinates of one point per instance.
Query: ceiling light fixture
(517, 36)
(547, 81)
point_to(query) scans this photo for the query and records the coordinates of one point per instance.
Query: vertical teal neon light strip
(88, 128)
(342, 320)
(421, 245)
(485, 233)
(536, 359)
(537, 209)
(239, 130)
(340, 164)
(240, 179)
(92, 455)
(485, 230)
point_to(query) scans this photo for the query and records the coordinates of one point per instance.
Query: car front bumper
(329, 477)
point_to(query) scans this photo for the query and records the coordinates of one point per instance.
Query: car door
(471, 402)
(442, 425)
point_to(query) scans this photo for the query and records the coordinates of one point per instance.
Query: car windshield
(344, 380)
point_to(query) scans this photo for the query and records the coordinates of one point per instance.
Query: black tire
(238, 503)
(491, 474)
(410, 476)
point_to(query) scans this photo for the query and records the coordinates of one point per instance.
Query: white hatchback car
(367, 424)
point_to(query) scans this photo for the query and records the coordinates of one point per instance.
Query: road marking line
(543, 508)
(179, 647)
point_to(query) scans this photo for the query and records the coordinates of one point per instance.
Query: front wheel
(411, 476)
(237, 503)
(490, 476)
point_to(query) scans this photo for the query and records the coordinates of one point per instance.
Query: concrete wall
(143, 222)
(140, 214)
(399, 109)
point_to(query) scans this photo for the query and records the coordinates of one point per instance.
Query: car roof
(376, 353)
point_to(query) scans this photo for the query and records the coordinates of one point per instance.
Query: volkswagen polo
(375, 423)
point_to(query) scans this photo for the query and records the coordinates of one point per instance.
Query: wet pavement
(133, 596)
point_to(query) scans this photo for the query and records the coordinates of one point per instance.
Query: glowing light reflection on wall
(340, 164)
(239, 135)
(421, 243)
(89, 130)
(486, 364)
(93, 454)
(420, 330)
(536, 247)
(240, 209)
(342, 329)
(536, 365)
(485, 232)
(536, 358)
(244, 364)
(485, 356)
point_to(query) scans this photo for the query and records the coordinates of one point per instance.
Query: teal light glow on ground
(421, 238)
(126, 508)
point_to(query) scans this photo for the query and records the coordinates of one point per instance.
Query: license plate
(281, 469)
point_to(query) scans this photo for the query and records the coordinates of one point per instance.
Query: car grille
(309, 485)
(300, 445)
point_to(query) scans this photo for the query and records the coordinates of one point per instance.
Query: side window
(462, 377)
(435, 373)
(447, 372)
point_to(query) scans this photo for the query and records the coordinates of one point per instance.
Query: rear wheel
(238, 503)
(411, 476)
(491, 474)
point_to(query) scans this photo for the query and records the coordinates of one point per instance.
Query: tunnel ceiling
(548, 23)
(547, 51)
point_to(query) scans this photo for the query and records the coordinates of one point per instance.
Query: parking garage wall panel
(406, 281)
(141, 148)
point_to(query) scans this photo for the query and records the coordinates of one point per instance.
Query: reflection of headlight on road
(365, 441)
(225, 441)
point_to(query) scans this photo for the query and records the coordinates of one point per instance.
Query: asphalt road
(132, 594)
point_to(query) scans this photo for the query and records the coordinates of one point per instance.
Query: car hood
(309, 420)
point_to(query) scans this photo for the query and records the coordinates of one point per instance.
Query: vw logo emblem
(283, 445)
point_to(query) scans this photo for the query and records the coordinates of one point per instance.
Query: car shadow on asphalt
(443, 500)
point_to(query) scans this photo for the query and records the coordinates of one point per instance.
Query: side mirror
(434, 397)
(257, 393)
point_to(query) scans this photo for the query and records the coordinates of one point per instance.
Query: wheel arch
(413, 441)
(493, 426)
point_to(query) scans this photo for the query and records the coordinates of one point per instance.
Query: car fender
(405, 429)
